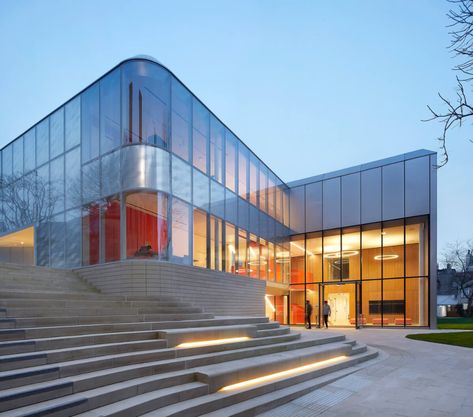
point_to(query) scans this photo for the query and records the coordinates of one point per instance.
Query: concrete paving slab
(410, 379)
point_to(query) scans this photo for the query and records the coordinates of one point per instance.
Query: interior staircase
(66, 349)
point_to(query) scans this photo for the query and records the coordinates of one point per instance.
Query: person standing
(308, 313)
(326, 311)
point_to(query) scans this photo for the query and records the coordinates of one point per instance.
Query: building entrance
(344, 301)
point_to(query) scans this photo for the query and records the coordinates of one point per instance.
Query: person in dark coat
(308, 313)
(326, 311)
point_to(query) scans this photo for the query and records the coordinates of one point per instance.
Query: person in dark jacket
(326, 311)
(308, 313)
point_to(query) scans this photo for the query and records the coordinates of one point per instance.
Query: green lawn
(462, 323)
(464, 339)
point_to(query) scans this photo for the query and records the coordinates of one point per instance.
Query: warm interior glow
(281, 374)
(269, 303)
(22, 238)
(212, 342)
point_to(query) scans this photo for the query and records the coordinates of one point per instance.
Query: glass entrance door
(344, 301)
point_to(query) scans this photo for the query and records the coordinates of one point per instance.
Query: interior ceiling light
(385, 257)
(296, 245)
(277, 375)
(212, 342)
(383, 233)
(343, 254)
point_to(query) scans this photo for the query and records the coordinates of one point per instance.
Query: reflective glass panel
(217, 132)
(242, 267)
(72, 128)
(110, 112)
(314, 257)
(30, 150)
(230, 248)
(216, 243)
(371, 251)
(91, 234)
(111, 228)
(200, 239)
(90, 123)
(180, 231)
(253, 256)
(42, 142)
(243, 155)
(201, 190)
(350, 259)
(230, 161)
(334, 269)
(56, 123)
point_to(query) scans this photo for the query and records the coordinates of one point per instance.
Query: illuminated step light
(281, 374)
(212, 342)
(385, 257)
(344, 254)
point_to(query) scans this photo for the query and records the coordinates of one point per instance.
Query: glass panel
(253, 257)
(18, 157)
(297, 209)
(216, 243)
(180, 231)
(217, 199)
(72, 179)
(297, 246)
(350, 260)
(271, 196)
(417, 183)
(312, 294)
(90, 123)
(42, 142)
(263, 187)
(254, 180)
(297, 308)
(111, 228)
(242, 268)
(201, 118)
(230, 161)
(217, 132)
(181, 179)
(393, 302)
(283, 263)
(73, 241)
(181, 120)
(42, 244)
(371, 251)
(285, 203)
(279, 215)
(271, 262)
(91, 234)
(393, 249)
(91, 181)
(263, 259)
(417, 304)
(57, 184)
(371, 303)
(146, 92)
(146, 225)
(313, 206)
(30, 150)
(201, 190)
(73, 123)
(314, 258)
(57, 250)
(111, 173)
(333, 268)
(230, 248)
(243, 213)
(243, 154)
(231, 206)
(200, 239)
(7, 161)
(416, 247)
(56, 123)
(110, 112)
(199, 151)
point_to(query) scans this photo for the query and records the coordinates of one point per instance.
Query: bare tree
(457, 110)
(460, 256)
(26, 200)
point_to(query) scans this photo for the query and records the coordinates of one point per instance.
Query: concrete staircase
(79, 352)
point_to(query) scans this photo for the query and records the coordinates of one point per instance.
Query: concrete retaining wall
(216, 292)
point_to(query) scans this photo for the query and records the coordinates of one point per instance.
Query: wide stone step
(250, 400)
(118, 318)
(83, 376)
(273, 332)
(68, 354)
(84, 329)
(95, 310)
(112, 399)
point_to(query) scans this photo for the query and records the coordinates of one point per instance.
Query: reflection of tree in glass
(27, 200)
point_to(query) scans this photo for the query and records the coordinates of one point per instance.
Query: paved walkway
(410, 379)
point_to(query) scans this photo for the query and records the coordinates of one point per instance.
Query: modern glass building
(136, 167)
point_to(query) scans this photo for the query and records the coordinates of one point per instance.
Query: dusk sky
(310, 86)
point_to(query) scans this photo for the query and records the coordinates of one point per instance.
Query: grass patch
(464, 339)
(462, 323)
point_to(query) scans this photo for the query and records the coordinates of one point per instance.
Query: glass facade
(137, 167)
(371, 275)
